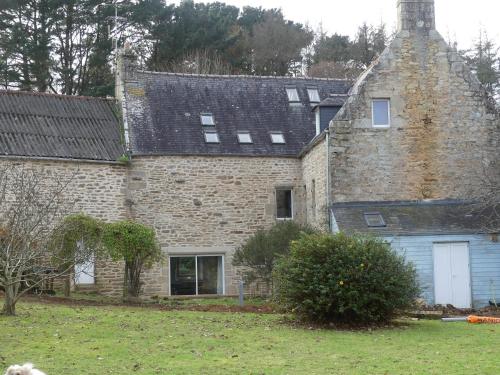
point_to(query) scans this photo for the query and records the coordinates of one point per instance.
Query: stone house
(215, 158)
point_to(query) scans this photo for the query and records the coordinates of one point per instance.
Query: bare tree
(32, 204)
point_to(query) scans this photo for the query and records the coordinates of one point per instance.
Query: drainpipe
(328, 190)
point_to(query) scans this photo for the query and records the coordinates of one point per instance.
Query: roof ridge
(425, 202)
(37, 93)
(243, 76)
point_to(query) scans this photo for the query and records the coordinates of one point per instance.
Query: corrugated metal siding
(57, 126)
(484, 263)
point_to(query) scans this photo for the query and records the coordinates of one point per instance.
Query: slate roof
(58, 126)
(417, 217)
(164, 113)
(336, 100)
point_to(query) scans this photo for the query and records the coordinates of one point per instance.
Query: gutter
(328, 190)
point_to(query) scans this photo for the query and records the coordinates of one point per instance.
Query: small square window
(207, 119)
(381, 113)
(244, 137)
(284, 208)
(374, 220)
(293, 95)
(277, 138)
(211, 136)
(313, 95)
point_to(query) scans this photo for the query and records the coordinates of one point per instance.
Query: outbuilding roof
(164, 109)
(57, 126)
(415, 217)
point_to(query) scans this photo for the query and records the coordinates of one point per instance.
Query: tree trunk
(9, 305)
(67, 286)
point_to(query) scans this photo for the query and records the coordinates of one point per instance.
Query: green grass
(114, 340)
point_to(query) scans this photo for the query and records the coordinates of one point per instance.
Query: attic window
(313, 95)
(244, 137)
(207, 119)
(211, 136)
(374, 220)
(381, 113)
(278, 138)
(293, 95)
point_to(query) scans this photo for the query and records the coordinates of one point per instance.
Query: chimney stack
(416, 16)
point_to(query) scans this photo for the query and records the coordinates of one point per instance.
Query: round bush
(337, 278)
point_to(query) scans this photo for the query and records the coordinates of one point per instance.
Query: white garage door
(452, 274)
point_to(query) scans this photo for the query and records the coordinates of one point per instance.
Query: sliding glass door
(196, 275)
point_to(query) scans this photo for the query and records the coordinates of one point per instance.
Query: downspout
(328, 190)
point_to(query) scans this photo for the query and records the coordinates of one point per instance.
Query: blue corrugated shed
(414, 228)
(484, 263)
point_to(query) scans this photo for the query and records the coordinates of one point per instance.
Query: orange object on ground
(483, 320)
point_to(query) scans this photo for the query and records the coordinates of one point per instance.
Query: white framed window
(277, 138)
(244, 137)
(313, 94)
(293, 95)
(211, 136)
(381, 113)
(284, 204)
(207, 119)
(318, 120)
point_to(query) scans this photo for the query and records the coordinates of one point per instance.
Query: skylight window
(244, 137)
(207, 119)
(374, 220)
(211, 136)
(313, 95)
(293, 95)
(277, 138)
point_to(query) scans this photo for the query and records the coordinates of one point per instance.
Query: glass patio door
(196, 275)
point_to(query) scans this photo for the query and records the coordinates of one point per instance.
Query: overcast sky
(459, 19)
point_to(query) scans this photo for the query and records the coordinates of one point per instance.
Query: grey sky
(459, 19)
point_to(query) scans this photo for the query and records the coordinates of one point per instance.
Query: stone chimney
(416, 16)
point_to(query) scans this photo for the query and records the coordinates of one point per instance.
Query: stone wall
(314, 177)
(443, 127)
(97, 189)
(208, 205)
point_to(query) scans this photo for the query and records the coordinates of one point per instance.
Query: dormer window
(244, 137)
(207, 119)
(277, 138)
(381, 113)
(293, 95)
(211, 136)
(313, 95)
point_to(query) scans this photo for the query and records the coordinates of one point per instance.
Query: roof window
(244, 137)
(374, 220)
(277, 138)
(313, 95)
(293, 95)
(211, 136)
(207, 119)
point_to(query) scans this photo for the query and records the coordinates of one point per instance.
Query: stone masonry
(443, 126)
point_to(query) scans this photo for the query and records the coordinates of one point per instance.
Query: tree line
(67, 46)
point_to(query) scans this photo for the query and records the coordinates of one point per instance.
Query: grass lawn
(116, 340)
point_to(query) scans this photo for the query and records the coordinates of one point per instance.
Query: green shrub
(337, 278)
(260, 252)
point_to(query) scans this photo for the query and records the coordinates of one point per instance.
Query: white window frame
(280, 134)
(318, 120)
(245, 133)
(211, 132)
(207, 116)
(196, 256)
(388, 114)
(276, 203)
(291, 97)
(316, 93)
